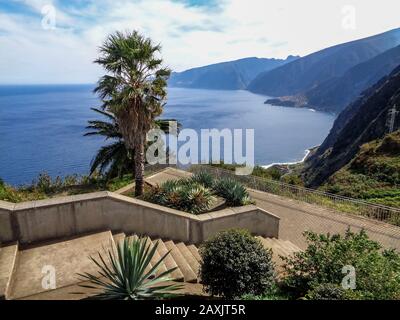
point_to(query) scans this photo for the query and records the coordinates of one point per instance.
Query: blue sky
(33, 49)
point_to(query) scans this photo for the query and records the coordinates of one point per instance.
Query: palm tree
(134, 90)
(126, 273)
(115, 159)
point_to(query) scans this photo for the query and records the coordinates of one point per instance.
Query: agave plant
(233, 192)
(195, 198)
(126, 273)
(185, 195)
(203, 178)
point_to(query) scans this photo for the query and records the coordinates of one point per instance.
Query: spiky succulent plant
(232, 191)
(203, 178)
(185, 195)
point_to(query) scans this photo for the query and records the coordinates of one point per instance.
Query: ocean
(42, 127)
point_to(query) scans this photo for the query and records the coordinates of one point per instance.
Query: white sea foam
(306, 154)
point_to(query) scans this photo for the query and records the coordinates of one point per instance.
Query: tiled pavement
(297, 217)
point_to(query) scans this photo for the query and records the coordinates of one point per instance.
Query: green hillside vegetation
(46, 187)
(284, 173)
(373, 174)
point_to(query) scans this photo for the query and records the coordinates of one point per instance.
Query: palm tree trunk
(139, 168)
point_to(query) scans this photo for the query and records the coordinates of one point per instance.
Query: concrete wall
(6, 228)
(75, 215)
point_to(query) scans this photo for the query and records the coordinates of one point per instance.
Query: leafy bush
(271, 173)
(377, 272)
(234, 264)
(182, 195)
(293, 179)
(45, 186)
(45, 183)
(233, 192)
(119, 182)
(329, 291)
(8, 193)
(274, 293)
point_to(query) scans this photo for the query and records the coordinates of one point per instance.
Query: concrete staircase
(8, 261)
(280, 248)
(24, 270)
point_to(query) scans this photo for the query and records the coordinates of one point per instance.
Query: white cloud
(190, 36)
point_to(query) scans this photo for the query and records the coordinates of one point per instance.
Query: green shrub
(270, 173)
(8, 193)
(377, 272)
(329, 291)
(233, 192)
(69, 180)
(234, 264)
(274, 293)
(293, 179)
(119, 182)
(44, 183)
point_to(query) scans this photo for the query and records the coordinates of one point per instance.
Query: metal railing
(336, 202)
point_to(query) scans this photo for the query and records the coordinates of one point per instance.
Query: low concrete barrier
(75, 215)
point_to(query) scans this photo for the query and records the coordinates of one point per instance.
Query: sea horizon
(43, 126)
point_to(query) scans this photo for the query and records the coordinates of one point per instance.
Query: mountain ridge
(364, 120)
(229, 75)
(337, 93)
(305, 74)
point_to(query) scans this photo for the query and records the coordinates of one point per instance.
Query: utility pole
(391, 119)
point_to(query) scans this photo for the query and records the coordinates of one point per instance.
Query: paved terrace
(297, 217)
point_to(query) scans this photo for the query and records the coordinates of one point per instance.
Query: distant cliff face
(367, 119)
(320, 76)
(335, 94)
(232, 75)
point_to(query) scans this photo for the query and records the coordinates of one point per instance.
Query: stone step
(266, 242)
(270, 244)
(183, 265)
(195, 252)
(288, 247)
(62, 259)
(281, 249)
(118, 238)
(156, 258)
(8, 260)
(191, 260)
(169, 261)
(292, 246)
(149, 266)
